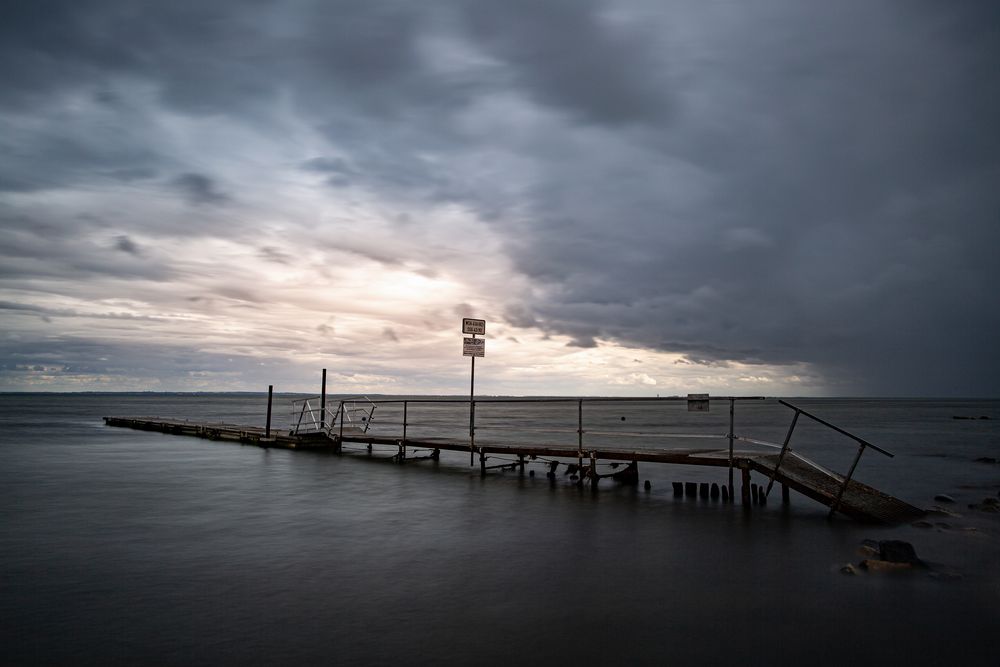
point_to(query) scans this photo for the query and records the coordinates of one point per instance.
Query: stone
(873, 565)
(867, 551)
(898, 551)
(986, 459)
(940, 511)
(943, 498)
(849, 569)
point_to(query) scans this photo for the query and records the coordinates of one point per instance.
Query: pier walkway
(838, 492)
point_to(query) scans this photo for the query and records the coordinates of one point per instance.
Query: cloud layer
(784, 198)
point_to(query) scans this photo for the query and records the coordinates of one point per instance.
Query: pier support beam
(784, 494)
(593, 471)
(482, 462)
(745, 487)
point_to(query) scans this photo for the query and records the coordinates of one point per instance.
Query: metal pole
(732, 411)
(781, 456)
(267, 428)
(847, 480)
(472, 410)
(322, 403)
(404, 422)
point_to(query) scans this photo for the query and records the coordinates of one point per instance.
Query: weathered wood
(856, 500)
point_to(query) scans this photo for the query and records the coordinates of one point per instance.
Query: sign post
(473, 347)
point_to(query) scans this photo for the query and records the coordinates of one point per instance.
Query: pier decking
(791, 470)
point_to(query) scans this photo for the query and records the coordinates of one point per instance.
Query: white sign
(697, 402)
(474, 347)
(471, 326)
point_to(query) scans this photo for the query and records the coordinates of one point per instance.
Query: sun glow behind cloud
(637, 199)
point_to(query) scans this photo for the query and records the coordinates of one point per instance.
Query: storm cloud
(786, 185)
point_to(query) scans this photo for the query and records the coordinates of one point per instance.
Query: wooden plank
(859, 501)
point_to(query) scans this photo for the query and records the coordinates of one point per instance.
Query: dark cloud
(125, 244)
(200, 189)
(783, 183)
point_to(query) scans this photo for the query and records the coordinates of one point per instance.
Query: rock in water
(898, 551)
(943, 498)
(885, 566)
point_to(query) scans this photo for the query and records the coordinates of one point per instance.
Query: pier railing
(312, 415)
(397, 416)
(862, 445)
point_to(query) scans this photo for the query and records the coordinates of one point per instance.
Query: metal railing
(310, 415)
(405, 423)
(862, 445)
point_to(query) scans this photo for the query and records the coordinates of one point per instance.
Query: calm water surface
(127, 547)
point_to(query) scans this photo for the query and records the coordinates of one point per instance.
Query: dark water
(126, 547)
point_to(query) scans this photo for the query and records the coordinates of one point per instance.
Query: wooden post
(579, 434)
(267, 427)
(322, 403)
(754, 494)
(785, 499)
(520, 458)
(593, 471)
(745, 487)
(678, 489)
(482, 462)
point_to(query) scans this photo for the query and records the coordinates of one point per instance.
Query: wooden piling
(785, 499)
(703, 490)
(745, 487)
(714, 491)
(725, 493)
(678, 489)
(482, 462)
(593, 471)
(690, 489)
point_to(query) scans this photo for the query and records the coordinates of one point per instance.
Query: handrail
(862, 444)
(837, 429)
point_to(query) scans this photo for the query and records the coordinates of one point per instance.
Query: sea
(126, 547)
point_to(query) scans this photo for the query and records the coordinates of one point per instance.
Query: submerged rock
(873, 565)
(898, 551)
(943, 498)
(990, 505)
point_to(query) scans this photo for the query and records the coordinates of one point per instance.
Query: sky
(783, 197)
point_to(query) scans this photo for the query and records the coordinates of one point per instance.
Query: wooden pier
(787, 468)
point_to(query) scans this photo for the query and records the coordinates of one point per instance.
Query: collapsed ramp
(856, 500)
(839, 493)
